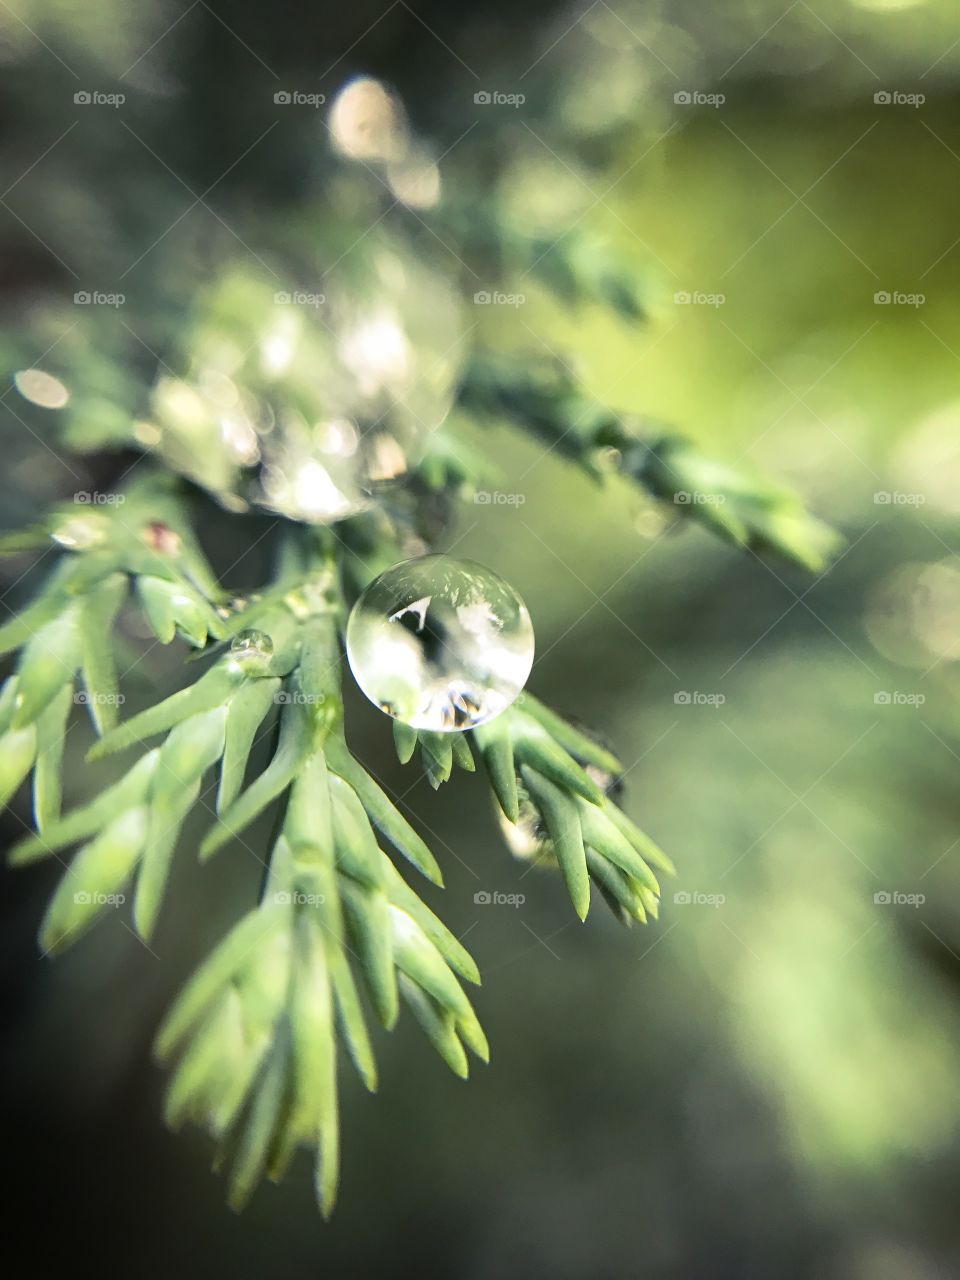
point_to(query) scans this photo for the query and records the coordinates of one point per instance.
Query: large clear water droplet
(440, 644)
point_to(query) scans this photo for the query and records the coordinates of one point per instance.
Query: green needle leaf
(293, 749)
(383, 813)
(437, 752)
(368, 913)
(452, 950)
(18, 750)
(563, 822)
(99, 608)
(248, 708)
(350, 1019)
(94, 879)
(82, 823)
(496, 751)
(602, 834)
(212, 690)
(532, 746)
(405, 741)
(438, 1024)
(48, 662)
(577, 743)
(51, 731)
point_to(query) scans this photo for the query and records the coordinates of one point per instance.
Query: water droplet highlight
(440, 644)
(41, 388)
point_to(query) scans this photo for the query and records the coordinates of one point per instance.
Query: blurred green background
(766, 1082)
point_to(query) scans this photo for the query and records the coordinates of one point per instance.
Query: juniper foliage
(340, 934)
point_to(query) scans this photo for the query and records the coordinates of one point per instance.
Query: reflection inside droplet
(440, 644)
(376, 351)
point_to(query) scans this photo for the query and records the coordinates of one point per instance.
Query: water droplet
(310, 403)
(526, 838)
(440, 644)
(252, 642)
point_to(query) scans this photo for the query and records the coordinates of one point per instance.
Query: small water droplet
(527, 838)
(440, 644)
(252, 642)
